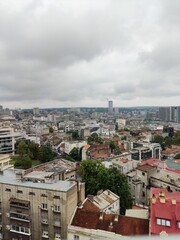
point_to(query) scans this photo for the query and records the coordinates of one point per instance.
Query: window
(143, 173)
(19, 191)
(56, 197)
(31, 193)
(20, 229)
(143, 194)
(8, 189)
(76, 237)
(43, 195)
(44, 205)
(56, 208)
(163, 222)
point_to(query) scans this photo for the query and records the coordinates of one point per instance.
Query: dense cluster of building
(48, 201)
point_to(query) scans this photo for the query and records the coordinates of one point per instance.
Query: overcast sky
(63, 53)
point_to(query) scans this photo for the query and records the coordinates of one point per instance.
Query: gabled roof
(104, 199)
(164, 205)
(122, 225)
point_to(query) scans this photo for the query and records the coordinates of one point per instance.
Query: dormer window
(163, 222)
(178, 224)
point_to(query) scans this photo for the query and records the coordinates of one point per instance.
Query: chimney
(116, 217)
(101, 215)
(153, 199)
(162, 199)
(110, 226)
(174, 201)
(90, 197)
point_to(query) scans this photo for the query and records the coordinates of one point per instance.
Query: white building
(75, 144)
(8, 138)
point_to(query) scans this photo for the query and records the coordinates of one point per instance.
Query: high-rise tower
(110, 107)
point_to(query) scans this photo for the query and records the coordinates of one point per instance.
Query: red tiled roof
(86, 146)
(87, 217)
(168, 209)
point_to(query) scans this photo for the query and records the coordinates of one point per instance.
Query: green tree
(177, 138)
(22, 148)
(94, 138)
(168, 141)
(177, 156)
(51, 130)
(23, 162)
(75, 135)
(75, 154)
(97, 177)
(45, 154)
(33, 150)
(159, 139)
(90, 171)
(117, 183)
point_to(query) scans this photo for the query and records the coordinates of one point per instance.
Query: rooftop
(146, 168)
(85, 218)
(104, 199)
(9, 177)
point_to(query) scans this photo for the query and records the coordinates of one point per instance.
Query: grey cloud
(65, 52)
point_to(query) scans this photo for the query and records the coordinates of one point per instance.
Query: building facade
(35, 210)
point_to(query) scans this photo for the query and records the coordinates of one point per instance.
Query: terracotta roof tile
(124, 225)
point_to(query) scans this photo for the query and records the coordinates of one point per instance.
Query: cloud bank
(79, 53)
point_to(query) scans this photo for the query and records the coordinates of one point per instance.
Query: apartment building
(34, 210)
(170, 113)
(5, 161)
(8, 137)
(151, 174)
(7, 140)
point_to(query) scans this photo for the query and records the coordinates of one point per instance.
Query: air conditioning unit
(45, 221)
(57, 236)
(7, 215)
(8, 227)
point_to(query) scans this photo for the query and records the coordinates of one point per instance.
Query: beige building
(5, 161)
(36, 210)
(124, 165)
(139, 183)
(74, 144)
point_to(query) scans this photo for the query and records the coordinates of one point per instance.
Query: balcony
(17, 203)
(20, 230)
(19, 217)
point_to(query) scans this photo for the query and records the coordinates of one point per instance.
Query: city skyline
(56, 54)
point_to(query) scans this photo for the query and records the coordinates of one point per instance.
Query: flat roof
(38, 175)
(9, 177)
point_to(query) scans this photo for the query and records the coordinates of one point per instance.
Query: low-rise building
(89, 222)
(106, 201)
(74, 144)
